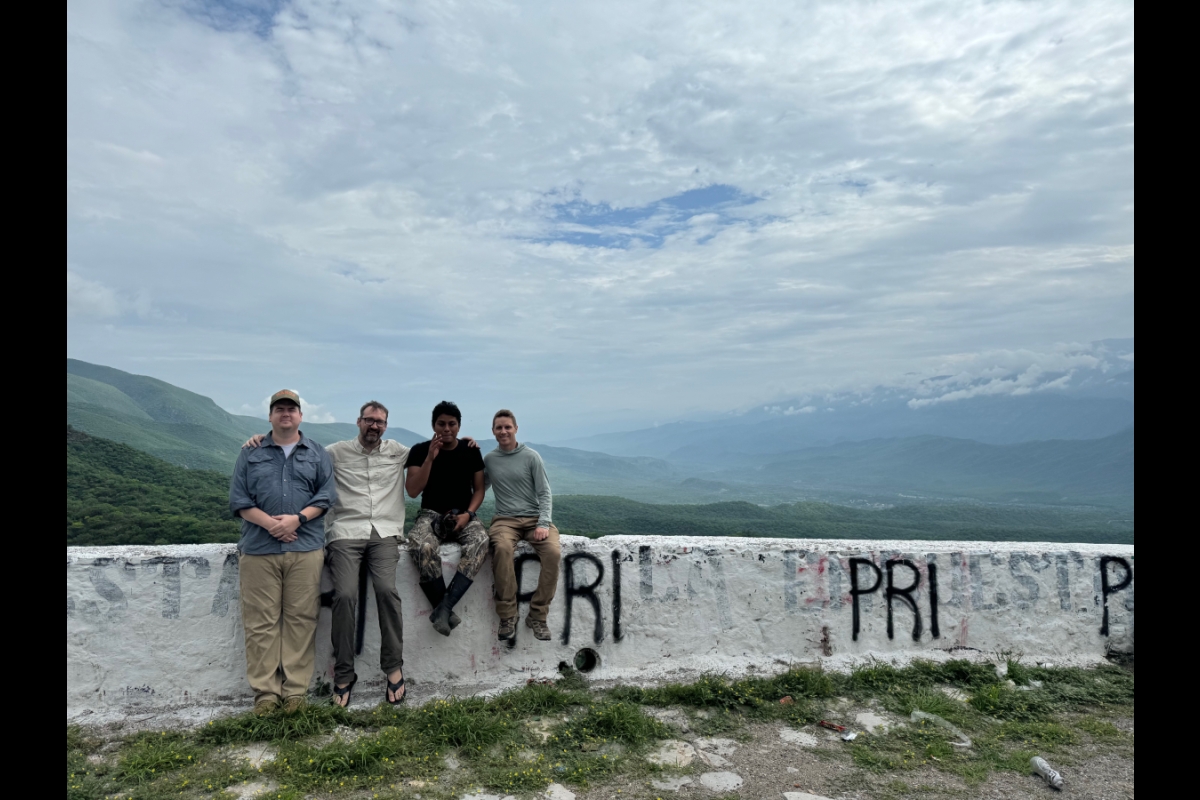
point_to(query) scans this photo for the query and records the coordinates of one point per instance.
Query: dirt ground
(771, 767)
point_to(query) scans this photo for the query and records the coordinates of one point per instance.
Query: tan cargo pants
(280, 599)
(504, 535)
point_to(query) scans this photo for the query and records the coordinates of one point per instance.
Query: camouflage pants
(423, 543)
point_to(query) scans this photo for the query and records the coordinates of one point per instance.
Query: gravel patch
(770, 763)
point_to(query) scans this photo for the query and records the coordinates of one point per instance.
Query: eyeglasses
(373, 423)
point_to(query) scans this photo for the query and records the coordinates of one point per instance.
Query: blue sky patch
(601, 225)
(257, 16)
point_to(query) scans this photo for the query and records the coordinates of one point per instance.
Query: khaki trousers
(280, 598)
(504, 535)
(344, 557)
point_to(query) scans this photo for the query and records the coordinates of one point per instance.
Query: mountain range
(765, 457)
(1085, 402)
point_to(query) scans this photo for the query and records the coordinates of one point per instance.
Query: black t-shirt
(452, 479)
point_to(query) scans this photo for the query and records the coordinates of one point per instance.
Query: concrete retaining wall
(157, 630)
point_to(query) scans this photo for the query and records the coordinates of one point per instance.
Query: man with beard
(367, 524)
(449, 479)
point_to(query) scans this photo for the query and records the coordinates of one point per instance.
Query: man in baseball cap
(280, 490)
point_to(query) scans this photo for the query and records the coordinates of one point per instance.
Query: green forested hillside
(118, 495)
(174, 424)
(190, 430)
(599, 516)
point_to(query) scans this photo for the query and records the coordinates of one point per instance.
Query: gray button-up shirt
(263, 478)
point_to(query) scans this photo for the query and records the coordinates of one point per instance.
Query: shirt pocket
(304, 467)
(261, 472)
(387, 470)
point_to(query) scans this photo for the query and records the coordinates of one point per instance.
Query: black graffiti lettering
(106, 588)
(1030, 590)
(645, 572)
(170, 573)
(855, 563)
(588, 592)
(1063, 575)
(933, 603)
(1106, 589)
(904, 594)
(616, 596)
(519, 562)
(227, 586)
(200, 566)
(790, 568)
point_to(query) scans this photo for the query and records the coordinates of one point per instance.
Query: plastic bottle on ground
(1047, 772)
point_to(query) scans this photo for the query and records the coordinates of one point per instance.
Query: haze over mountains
(1071, 443)
(1083, 402)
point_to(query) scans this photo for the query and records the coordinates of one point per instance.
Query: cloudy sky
(604, 215)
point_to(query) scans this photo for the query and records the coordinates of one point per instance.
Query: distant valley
(754, 460)
(119, 495)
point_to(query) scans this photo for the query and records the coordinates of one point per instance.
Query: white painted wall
(158, 629)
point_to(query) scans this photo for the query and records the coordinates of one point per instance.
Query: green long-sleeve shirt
(519, 484)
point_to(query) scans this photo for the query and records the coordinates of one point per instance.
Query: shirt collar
(269, 439)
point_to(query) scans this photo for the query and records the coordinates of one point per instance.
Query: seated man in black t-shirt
(449, 477)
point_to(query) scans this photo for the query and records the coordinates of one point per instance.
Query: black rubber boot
(441, 616)
(435, 590)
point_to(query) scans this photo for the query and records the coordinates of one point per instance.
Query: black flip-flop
(344, 691)
(394, 688)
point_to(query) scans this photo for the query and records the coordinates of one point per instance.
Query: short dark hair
(446, 407)
(504, 412)
(372, 404)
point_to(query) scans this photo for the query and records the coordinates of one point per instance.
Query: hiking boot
(540, 629)
(442, 618)
(265, 706)
(508, 628)
(294, 704)
(435, 590)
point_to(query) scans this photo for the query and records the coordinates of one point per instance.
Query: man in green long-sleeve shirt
(523, 511)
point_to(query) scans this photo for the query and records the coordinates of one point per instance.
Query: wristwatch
(473, 515)
(303, 519)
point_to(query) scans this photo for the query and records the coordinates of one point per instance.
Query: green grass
(312, 720)
(596, 736)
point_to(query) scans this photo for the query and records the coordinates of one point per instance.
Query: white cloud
(87, 298)
(931, 178)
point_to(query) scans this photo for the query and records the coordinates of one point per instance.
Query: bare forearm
(417, 478)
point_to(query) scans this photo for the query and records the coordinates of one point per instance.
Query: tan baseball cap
(284, 394)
